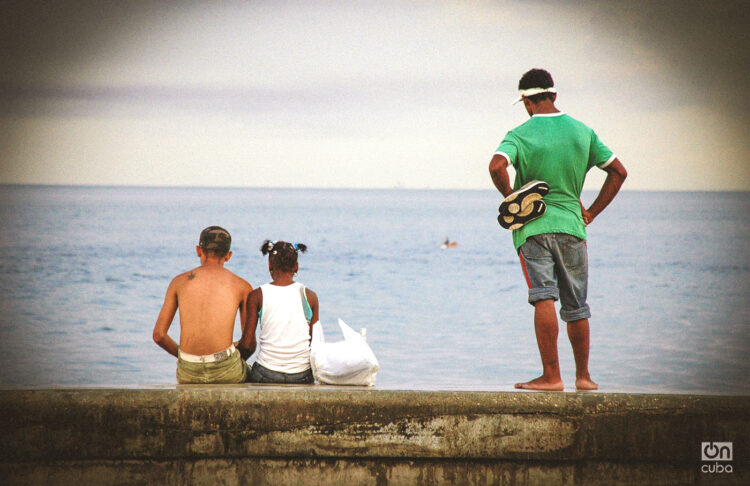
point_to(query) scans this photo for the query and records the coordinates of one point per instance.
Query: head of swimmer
(537, 78)
(282, 257)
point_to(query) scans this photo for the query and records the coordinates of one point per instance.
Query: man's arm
(499, 174)
(312, 299)
(616, 175)
(166, 315)
(247, 342)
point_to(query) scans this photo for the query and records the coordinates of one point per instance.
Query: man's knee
(578, 323)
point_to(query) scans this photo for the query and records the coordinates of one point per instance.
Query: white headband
(532, 92)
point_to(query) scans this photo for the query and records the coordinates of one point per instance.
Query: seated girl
(284, 311)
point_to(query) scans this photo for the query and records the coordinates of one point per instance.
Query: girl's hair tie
(267, 247)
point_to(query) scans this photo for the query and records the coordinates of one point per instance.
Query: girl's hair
(281, 254)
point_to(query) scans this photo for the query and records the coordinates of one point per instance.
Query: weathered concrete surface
(241, 434)
(326, 472)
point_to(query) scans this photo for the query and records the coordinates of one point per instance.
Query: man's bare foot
(541, 383)
(586, 384)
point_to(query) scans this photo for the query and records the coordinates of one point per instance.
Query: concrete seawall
(242, 434)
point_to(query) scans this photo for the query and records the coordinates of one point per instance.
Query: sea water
(84, 270)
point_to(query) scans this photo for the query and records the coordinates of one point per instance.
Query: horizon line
(317, 188)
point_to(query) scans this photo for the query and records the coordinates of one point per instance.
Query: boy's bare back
(208, 298)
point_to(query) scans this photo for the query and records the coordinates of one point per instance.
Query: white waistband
(207, 358)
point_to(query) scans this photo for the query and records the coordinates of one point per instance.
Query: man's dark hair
(537, 78)
(281, 254)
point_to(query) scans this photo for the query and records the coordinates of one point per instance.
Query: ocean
(83, 272)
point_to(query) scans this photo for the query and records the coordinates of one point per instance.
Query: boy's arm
(166, 315)
(247, 342)
(312, 299)
(616, 175)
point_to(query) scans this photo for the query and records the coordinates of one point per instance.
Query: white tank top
(284, 338)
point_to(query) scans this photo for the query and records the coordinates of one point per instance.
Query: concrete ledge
(327, 472)
(316, 433)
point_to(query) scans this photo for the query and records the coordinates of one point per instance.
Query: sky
(363, 94)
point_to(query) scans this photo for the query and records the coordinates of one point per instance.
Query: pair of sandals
(524, 205)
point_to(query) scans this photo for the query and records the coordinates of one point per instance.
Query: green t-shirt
(559, 150)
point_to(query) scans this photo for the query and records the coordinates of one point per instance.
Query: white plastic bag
(347, 362)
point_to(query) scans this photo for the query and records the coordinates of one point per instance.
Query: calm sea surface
(83, 273)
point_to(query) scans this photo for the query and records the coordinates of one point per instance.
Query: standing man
(208, 297)
(559, 150)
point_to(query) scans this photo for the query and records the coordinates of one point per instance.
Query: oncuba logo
(715, 453)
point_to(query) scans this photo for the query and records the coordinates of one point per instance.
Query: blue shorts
(260, 374)
(556, 267)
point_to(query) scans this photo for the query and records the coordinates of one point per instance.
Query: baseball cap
(215, 238)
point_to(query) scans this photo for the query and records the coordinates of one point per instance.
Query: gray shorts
(556, 267)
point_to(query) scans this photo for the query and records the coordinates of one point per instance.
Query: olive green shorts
(232, 370)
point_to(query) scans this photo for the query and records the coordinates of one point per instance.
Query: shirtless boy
(208, 298)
